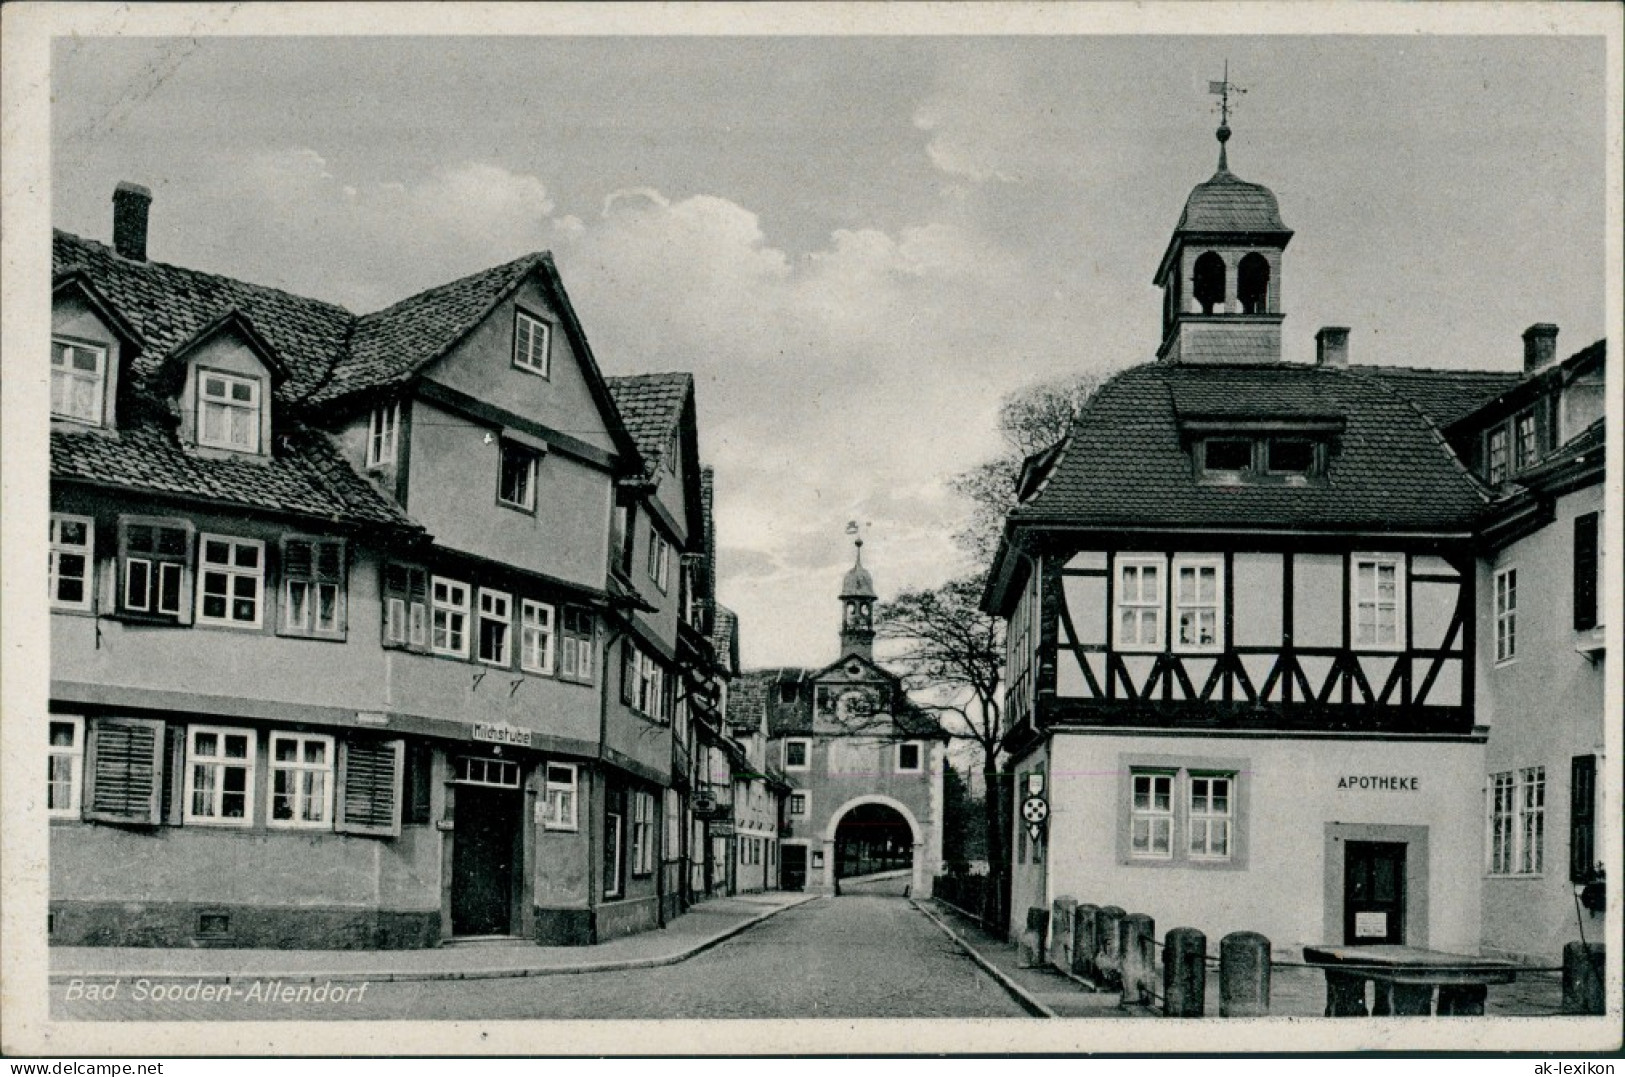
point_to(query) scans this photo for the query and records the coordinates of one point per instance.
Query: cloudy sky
(858, 244)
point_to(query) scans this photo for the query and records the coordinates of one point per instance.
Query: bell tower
(857, 604)
(1221, 274)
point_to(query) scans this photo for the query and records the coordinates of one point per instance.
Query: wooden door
(483, 858)
(1373, 892)
(793, 867)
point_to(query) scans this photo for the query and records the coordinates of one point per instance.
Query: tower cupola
(858, 606)
(1221, 274)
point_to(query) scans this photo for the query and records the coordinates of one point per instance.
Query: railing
(983, 898)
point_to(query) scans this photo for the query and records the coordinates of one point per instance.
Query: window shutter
(1585, 572)
(369, 787)
(629, 672)
(1582, 817)
(298, 559)
(125, 775)
(330, 561)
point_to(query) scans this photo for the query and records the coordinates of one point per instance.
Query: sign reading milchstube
(498, 733)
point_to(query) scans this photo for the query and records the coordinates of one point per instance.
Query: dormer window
(1526, 447)
(1291, 456)
(1262, 458)
(228, 411)
(78, 375)
(1495, 455)
(1227, 455)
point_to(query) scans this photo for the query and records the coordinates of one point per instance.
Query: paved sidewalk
(700, 928)
(1043, 991)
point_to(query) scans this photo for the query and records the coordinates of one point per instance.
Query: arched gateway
(874, 833)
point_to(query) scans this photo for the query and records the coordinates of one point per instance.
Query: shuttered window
(406, 607)
(1582, 817)
(153, 561)
(313, 590)
(370, 783)
(126, 771)
(1586, 563)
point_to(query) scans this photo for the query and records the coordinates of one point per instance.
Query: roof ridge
(1484, 492)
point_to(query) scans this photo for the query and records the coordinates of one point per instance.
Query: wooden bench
(1404, 979)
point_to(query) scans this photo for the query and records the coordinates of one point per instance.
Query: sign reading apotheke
(497, 733)
(1402, 783)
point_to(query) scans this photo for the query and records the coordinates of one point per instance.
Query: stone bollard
(1136, 934)
(1084, 942)
(1184, 972)
(1030, 954)
(1582, 978)
(1244, 975)
(1062, 941)
(1108, 960)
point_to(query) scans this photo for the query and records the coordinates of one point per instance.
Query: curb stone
(1019, 993)
(518, 972)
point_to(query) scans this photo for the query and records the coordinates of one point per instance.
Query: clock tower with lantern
(858, 608)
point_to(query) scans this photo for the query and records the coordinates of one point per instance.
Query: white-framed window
(1495, 454)
(312, 586)
(72, 561)
(78, 378)
(576, 648)
(1379, 602)
(228, 411)
(449, 604)
(910, 757)
(1209, 816)
(797, 753)
(301, 781)
(1140, 603)
(64, 783)
(516, 482)
(1532, 820)
(1517, 821)
(530, 343)
(1525, 441)
(231, 581)
(383, 431)
(1502, 811)
(406, 606)
(1198, 604)
(496, 627)
(482, 770)
(219, 775)
(800, 804)
(1151, 815)
(643, 833)
(561, 796)
(659, 557)
(1506, 614)
(535, 636)
(153, 562)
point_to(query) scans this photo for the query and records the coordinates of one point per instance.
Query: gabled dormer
(91, 347)
(222, 383)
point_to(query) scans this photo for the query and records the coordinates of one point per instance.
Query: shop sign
(498, 733)
(1395, 782)
(1370, 925)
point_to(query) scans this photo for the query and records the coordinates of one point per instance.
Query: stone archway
(918, 883)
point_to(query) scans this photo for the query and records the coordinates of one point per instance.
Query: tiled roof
(1446, 395)
(650, 405)
(1228, 204)
(1123, 464)
(396, 342)
(725, 636)
(168, 305)
(305, 474)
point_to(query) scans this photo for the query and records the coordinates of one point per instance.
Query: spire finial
(856, 532)
(1224, 89)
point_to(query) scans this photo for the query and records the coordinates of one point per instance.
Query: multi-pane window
(561, 797)
(1506, 614)
(643, 844)
(228, 411)
(1209, 817)
(78, 373)
(795, 754)
(1517, 822)
(1525, 446)
(1139, 603)
(312, 586)
(516, 486)
(449, 600)
(301, 780)
(1151, 817)
(535, 636)
(908, 758)
(1197, 597)
(1377, 602)
(1495, 454)
(659, 557)
(798, 804)
(382, 433)
(219, 775)
(496, 626)
(530, 339)
(643, 685)
(65, 776)
(406, 606)
(231, 581)
(72, 555)
(576, 644)
(152, 566)
(481, 770)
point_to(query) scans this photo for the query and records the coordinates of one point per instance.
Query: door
(484, 854)
(1373, 892)
(793, 864)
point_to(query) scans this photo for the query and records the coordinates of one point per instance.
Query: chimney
(1332, 346)
(130, 204)
(1539, 346)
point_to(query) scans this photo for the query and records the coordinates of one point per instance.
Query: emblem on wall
(1035, 813)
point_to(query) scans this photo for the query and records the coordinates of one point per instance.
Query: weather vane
(1224, 89)
(855, 529)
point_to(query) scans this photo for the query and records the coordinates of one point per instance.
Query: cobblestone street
(850, 957)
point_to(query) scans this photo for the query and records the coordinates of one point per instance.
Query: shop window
(219, 776)
(153, 567)
(1378, 601)
(78, 377)
(72, 560)
(313, 589)
(231, 581)
(561, 796)
(65, 777)
(301, 781)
